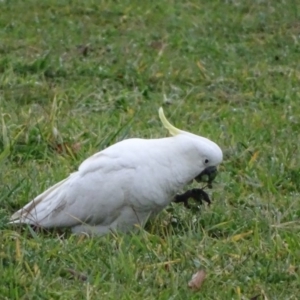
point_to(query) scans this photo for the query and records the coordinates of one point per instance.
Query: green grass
(228, 70)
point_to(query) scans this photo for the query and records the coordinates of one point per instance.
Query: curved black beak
(207, 175)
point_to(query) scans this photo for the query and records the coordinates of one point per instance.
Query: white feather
(122, 185)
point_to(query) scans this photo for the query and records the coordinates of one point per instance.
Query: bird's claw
(197, 194)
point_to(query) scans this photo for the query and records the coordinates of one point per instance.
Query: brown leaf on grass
(256, 297)
(77, 275)
(76, 147)
(292, 270)
(197, 280)
(83, 49)
(66, 147)
(158, 45)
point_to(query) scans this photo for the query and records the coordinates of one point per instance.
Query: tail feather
(23, 215)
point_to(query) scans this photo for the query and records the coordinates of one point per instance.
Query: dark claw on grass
(197, 194)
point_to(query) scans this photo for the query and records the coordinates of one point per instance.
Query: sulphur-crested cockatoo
(124, 184)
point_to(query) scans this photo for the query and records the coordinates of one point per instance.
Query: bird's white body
(122, 185)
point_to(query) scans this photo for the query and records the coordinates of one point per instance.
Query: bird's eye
(206, 161)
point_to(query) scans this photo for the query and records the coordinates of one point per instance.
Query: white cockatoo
(124, 184)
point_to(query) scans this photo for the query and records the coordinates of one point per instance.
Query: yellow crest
(172, 129)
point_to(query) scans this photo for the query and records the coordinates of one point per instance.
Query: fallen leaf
(83, 49)
(66, 147)
(197, 280)
(76, 147)
(255, 297)
(77, 275)
(292, 269)
(158, 45)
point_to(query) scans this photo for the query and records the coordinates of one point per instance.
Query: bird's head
(211, 157)
(209, 154)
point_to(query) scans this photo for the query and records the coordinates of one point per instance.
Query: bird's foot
(197, 194)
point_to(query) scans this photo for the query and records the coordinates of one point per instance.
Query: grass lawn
(77, 76)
